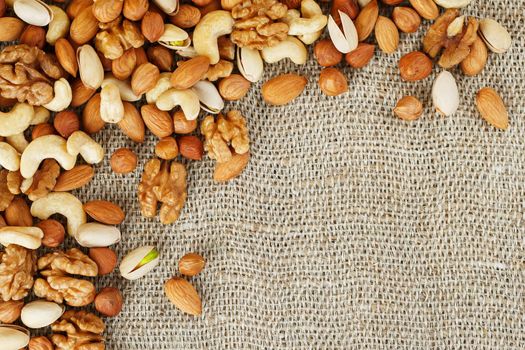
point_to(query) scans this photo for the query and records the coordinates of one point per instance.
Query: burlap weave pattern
(350, 229)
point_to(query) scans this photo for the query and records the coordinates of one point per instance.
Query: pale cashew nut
(124, 87)
(18, 141)
(453, 3)
(63, 203)
(309, 9)
(42, 115)
(212, 26)
(302, 26)
(43, 147)
(89, 149)
(163, 84)
(111, 106)
(291, 48)
(17, 120)
(62, 98)
(9, 157)
(59, 25)
(25, 236)
(186, 99)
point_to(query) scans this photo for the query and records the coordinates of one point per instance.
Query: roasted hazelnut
(167, 148)
(66, 123)
(54, 232)
(123, 161)
(105, 258)
(326, 53)
(109, 301)
(332, 82)
(181, 125)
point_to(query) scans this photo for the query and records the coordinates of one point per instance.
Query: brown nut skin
(18, 213)
(167, 148)
(161, 57)
(406, 19)
(10, 310)
(415, 66)
(191, 264)
(181, 125)
(135, 9)
(109, 301)
(332, 82)
(123, 161)
(190, 147)
(66, 123)
(202, 2)
(187, 17)
(105, 258)
(234, 87)
(42, 130)
(54, 232)
(40, 343)
(33, 36)
(350, 7)
(408, 108)
(152, 26)
(326, 53)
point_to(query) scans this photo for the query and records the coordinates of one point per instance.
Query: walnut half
(83, 331)
(17, 267)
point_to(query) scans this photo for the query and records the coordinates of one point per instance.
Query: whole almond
(191, 264)
(84, 26)
(408, 108)
(107, 10)
(66, 123)
(157, 121)
(12, 28)
(161, 56)
(54, 232)
(135, 9)
(406, 19)
(232, 168)
(123, 161)
(326, 53)
(366, 20)
(42, 129)
(426, 8)
(181, 125)
(132, 124)
(81, 93)
(105, 258)
(10, 310)
(234, 87)
(18, 213)
(75, 6)
(33, 36)
(474, 63)
(144, 78)
(152, 26)
(66, 56)
(40, 343)
(91, 120)
(190, 72)
(187, 17)
(332, 82)
(283, 88)
(387, 35)
(74, 178)
(190, 147)
(415, 66)
(492, 108)
(123, 66)
(105, 212)
(167, 148)
(183, 295)
(361, 56)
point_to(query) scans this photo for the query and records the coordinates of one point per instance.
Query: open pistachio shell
(250, 63)
(33, 12)
(496, 37)
(13, 337)
(170, 7)
(174, 38)
(41, 313)
(209, 97)
(139, 262)
(345, 40)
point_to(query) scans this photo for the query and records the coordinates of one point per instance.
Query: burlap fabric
(350, 229)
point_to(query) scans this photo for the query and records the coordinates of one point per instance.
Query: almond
(181, 125)
(123, 66)
(144, 78)
(183, 295)
(426, 8)
(135, 9)
(234, 87)
(161, 56)
(105, 258)
(187, 17)
(84, 26)
(191, 264)
(132, 124)
(18, 213)
(283, 89)
(42, 129)
(33, 36)
(361, 56)
(190, 147)
(54, 232)
(326, 53)
(366, 20)
(66, 56)
(492, 108)
(107, 10)
(408, 108)
(74, 178)
(152, 26)
(167, 148)
(10, 310)
(332, 82)
(105, 212)
(91, 120)
(415, 66)
(190, 72)
(123, 161)
(387, 35)
(234, 167)
(66, 123)
(81, 93)
(406, 19)
(12, 28)
(2, 13)
(75, 6)
(157, 121)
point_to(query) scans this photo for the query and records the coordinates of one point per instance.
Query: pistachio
(445, 94)
(13, 337)
(170, 7)
(139, 262)
(250, 63)
(174, 38)
(93, 235)
(494, 35)
(346, 40)
(90, 67)
(209, 97)
(34, 12)
(41, 313)
(455, 4)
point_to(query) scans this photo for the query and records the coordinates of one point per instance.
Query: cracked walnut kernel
(74, 291)
(17, 267)
(72, 262)
(83, 331)
(44, 180)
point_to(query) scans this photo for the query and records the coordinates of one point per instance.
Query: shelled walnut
(17, 267)
(41, 183)
(116, 37)
(72, 262)
(83, 330)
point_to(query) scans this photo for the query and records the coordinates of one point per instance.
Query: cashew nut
(291, 48)
(43, 147)
(89, 149)
(186, 99)
(63, 203)
(124, 87)
(9, 157)
(18, 141)
(303, 26)
(62, 98)
(41, 115)
(163, 84)
(25, 236)
(212, 26)
(17, 120)
(111, 106)
(59, 25)
(309, 9)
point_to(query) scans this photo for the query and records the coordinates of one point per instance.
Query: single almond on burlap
(157, 121)
(232, 168)
(189, 72)
(183, 295)
(105, 212)
(74, 178)
(492, 108)
(361, 56)
(283, 88)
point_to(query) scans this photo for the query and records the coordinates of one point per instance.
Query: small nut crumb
(123, 161)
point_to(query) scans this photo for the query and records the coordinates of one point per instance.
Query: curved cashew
(212, 25)
(17, 120)
(43, 147)
(124, 87)
(63, 203)
(18, 141)
(111, 106)
(186, 99)
(291, 48)
(302, 26)
(163, 84)
(41, 115)
(309, 9)
(25, 236)
(63, 96)
(89, 149)
(9, 157)
(59, 25)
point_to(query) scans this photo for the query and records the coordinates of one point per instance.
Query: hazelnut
(181, 125)
(152, 26)
(191, 264)
(167, 148)
(161, 57)
(33, 36)
(109, 301)
(187, 17)
(10, 310)
(234, 87)
(40, 343)
(105, 258)
(326, 53)
(332, 82)
(415, 66)
(66, 123)
(42, 129)
(54, 232)
(190, 147)
(408, 108)
(123, 161)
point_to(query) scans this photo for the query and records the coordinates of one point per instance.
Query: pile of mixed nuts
(156, 66)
